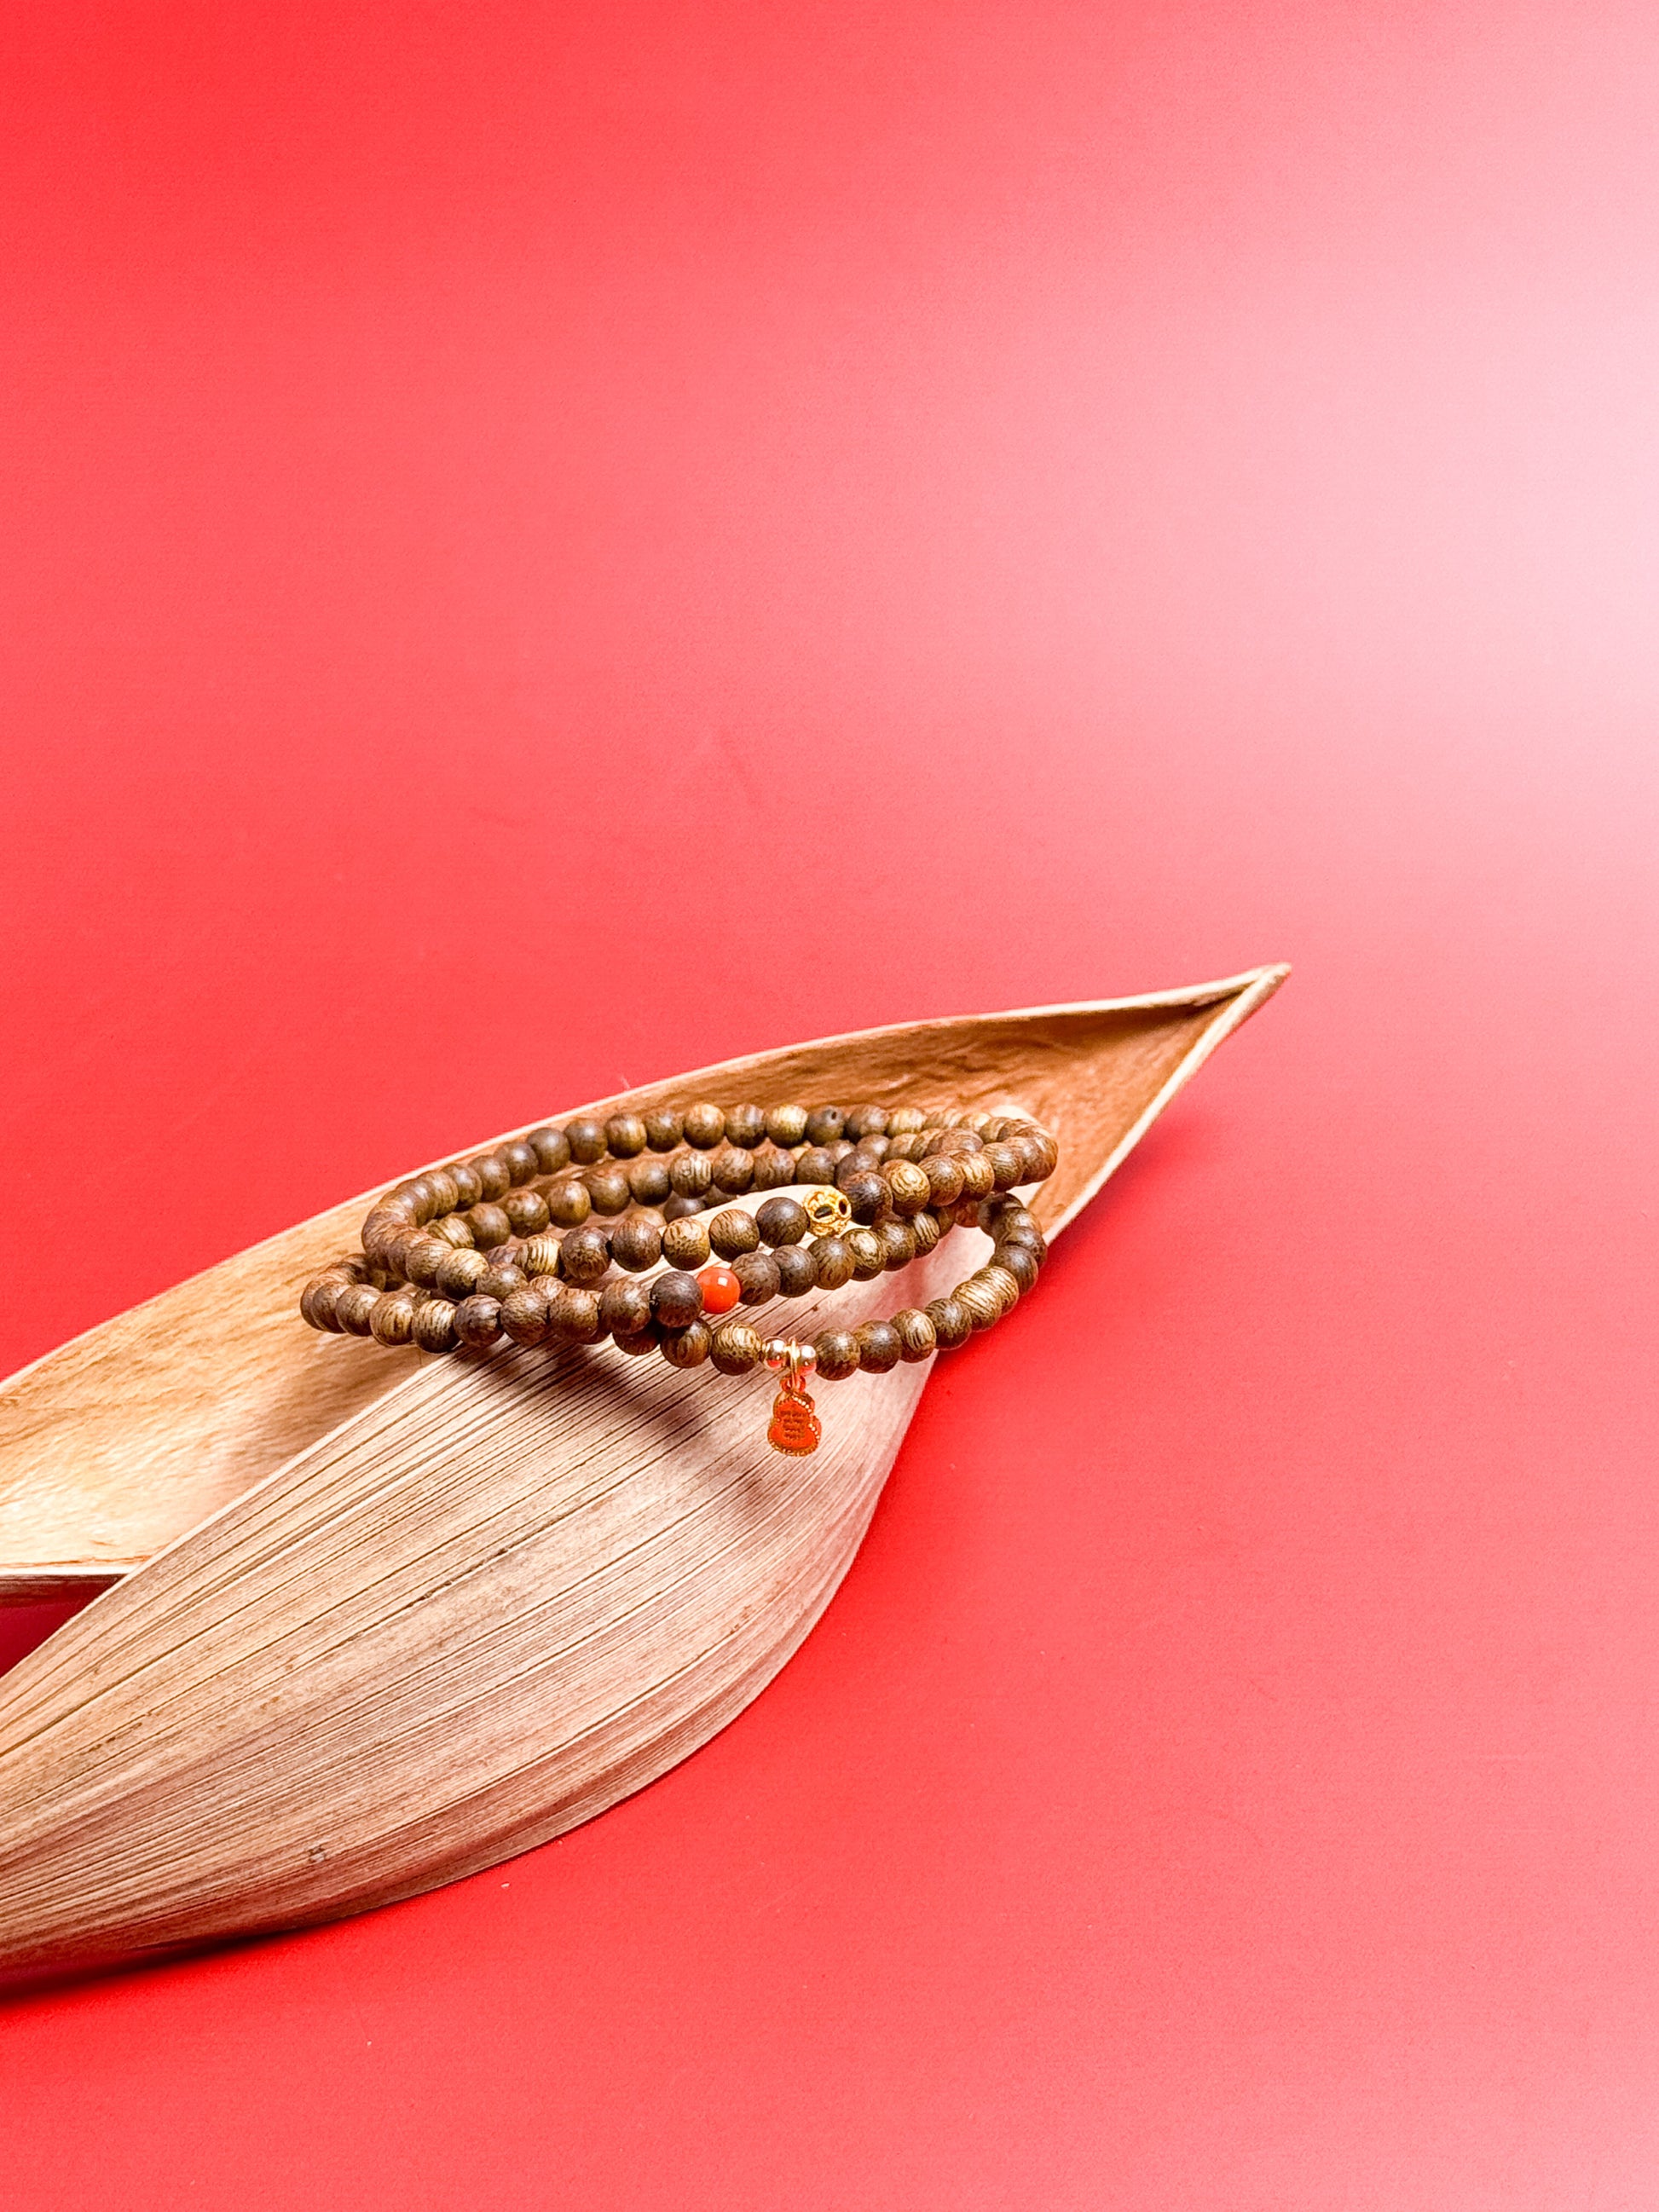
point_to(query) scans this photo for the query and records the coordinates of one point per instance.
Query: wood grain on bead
(459, 1565)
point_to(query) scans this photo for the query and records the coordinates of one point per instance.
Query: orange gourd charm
(795, 1428)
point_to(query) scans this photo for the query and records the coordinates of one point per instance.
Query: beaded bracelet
(463, 1255)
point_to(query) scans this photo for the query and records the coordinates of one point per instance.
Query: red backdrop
(547, 545)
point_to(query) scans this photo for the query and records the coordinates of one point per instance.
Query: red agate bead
(721, 1289)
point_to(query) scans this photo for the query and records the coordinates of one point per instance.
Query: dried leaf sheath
(494, 1599)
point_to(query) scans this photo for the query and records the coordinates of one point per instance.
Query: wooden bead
(636, 1243)
(584, 1255)
(952, 1323)
(392, 1321)
(824, 1124)
(732, 1168)
(453, 1231)
(815, 1164)
(978, 1176)
(869, 1254)
(917, 1339)
(745, 1125)
(838, 1354)
(705, 1125)
(732, 1231)
(797, 1269)
(964, 1214)
(908, 1188)
(690, 1174)
(906, 1120)
(865, 1193)
(575, 1313)
(464, 1176)
(625, 1307)
(317, 1304)
(396, 1253)
(354, 1309)
(1004, 1281)
(721, 1289)
(648, 1179)
(625, 1135)
(772, 1170)
(787, 1125)
(569, 1203)
(418, 1193)
(1007, 1164)
(907, 1147)
(608, 1189)
(879, 1347)
(524, 1316)
(551, 1148)
(687, 1346)
(1038, 1150)
(898, 1243)
(680, 1209)
(521, 1162)
(637, 1342)
(478, 1323)
(444, 1191)
(425, 1256)
(663, 1129)
(434, 1325)
(489, 1225)
(675, 1300)
(500, 1281)
(527, 1211)
(757, 1272)
(494, 1179)
(944, 1174)
(979, 1301)
(735, 1348)
(926, 1230)
(780, 1221)
(461, 1273)
(832, 1261)
(540, 1256)
(586, 1137)
(866, 1121)
(685, 1243)
(1021, 1263)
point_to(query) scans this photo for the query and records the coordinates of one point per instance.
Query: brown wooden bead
(869, 1254)
(452, 1230)
(690, 1174)
(1039, 1152)
(838, 1354)
(392, 1321)
(908, 1147)
(636, 1243)
(757, 1272)
(1004, 1281)
(964, 1214)
(521, 1162)
(797, 1272)
(586, 1137)
(686, 1243)
(687, 1346)
(780, 1221)
(317, 1304)
(625, 1307)
(772, 1170)
(815, 1164)
(434, 1325)
(916, 1336)
(898, 1243)
(824, 1124)
(495, 1180)
(733, 1169)
(866, 1121)
(832, 1259)
(926, 1230)
(551, 1148)
(540, 1256)
(1021, 1263)
(731, 1231)
(624, 1136)
(879, 1347)
(395, 1252)
(575, 1313)
(445, 1192)
(354, 1309)
(745, 1125)
(464, 1176)
(952, 1322)
(608, 1189)
(908, 1188)
(787, 1125)
(423, 1258)
(735, 1348)
(979, 1301)
(491, 1225)
(524, 1316)
(1007, 1164)
(663, 1129)
(569, 1203)
(865, 1193)
(680, 1209)
(647, 1178)
(526, 1210)
(584, 1255)
(705, 1126)
(500, 1280)
(636, 1343)
(461, 1273)
(419, 1193)
(676, 1298)
(978, 1176)
(906, 1120)
(478, 1321)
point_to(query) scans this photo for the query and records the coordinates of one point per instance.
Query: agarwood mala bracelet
(465, 1255)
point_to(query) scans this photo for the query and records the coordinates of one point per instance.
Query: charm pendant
(795, 1428)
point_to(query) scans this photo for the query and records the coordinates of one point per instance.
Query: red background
(546, 546)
